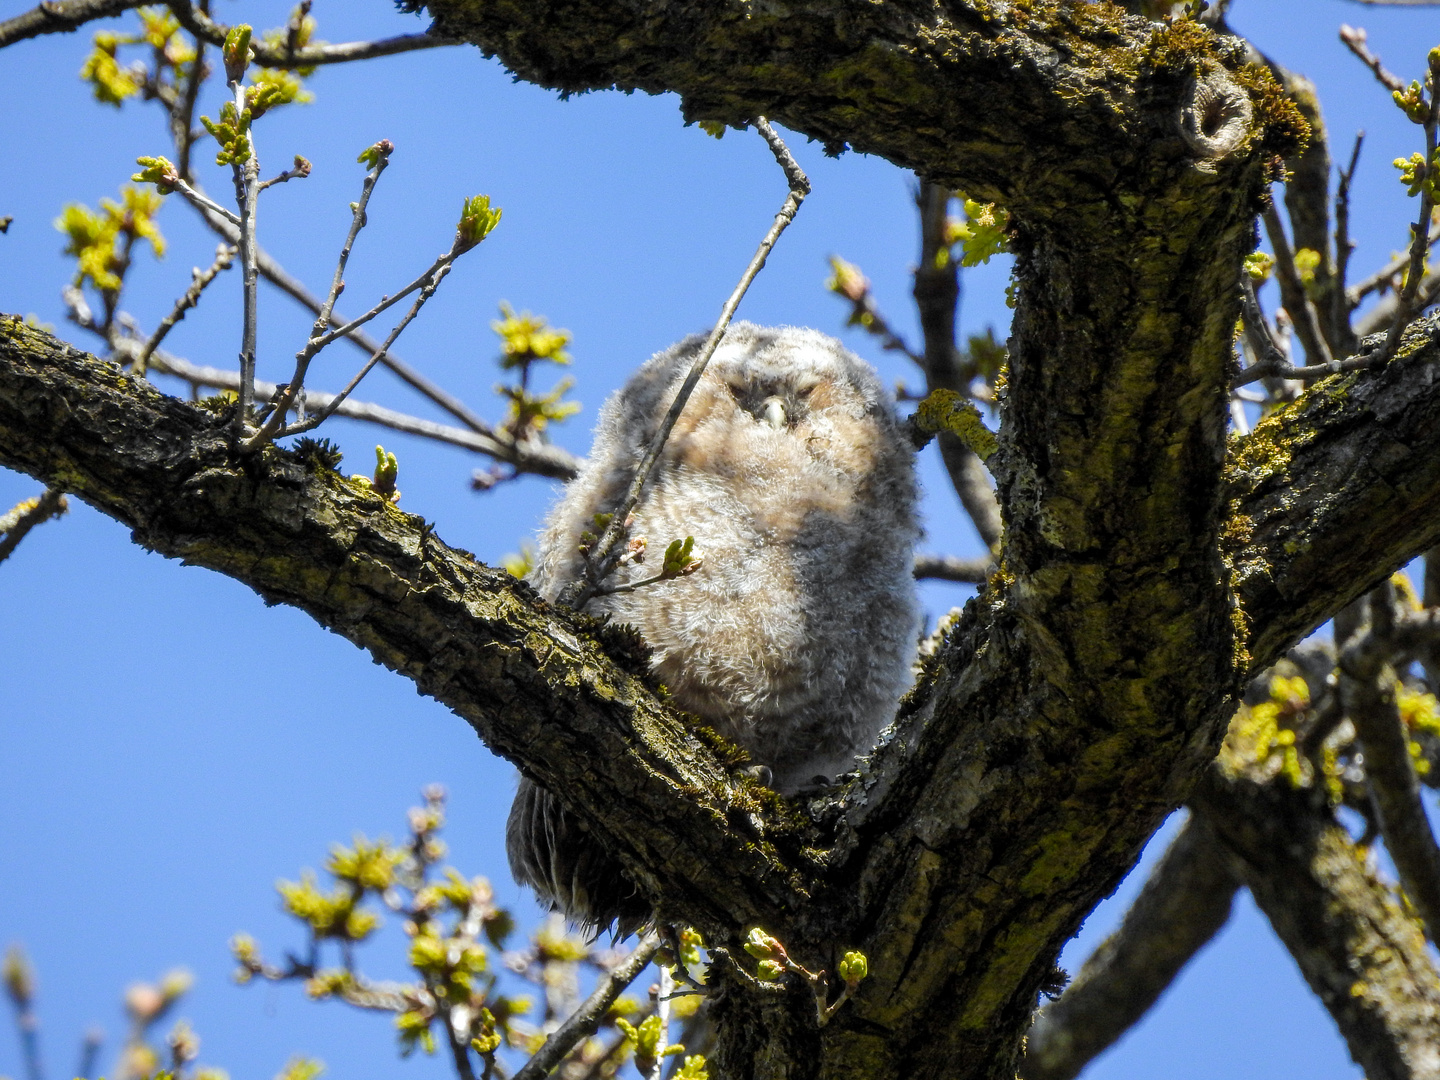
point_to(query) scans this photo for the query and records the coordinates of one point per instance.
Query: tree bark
(1360, 953)
(1080, 696)
(1182, 906)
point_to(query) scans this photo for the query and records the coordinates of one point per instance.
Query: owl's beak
(772, 412)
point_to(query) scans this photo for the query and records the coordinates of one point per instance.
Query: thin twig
(61, 17)
(1271, 358)
(663, 992)
(949, 568)
(586, 1020)
(206, 29)
(247, 192)
(1302, 311)
(319, 416)
(201, 201)
(1341, 332)
(1354, 39)
(296, 387)
(277, 275)
(300, 170)
(541, 459)
(21, 519)
(598, 562)
(224, 253)
(182, 115)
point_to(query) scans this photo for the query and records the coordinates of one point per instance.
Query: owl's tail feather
(556, 855)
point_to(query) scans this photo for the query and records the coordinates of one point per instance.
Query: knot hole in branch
(1215, 118)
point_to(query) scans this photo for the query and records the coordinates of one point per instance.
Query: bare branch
(1341, 332)
(1354, 39)
(1368, 691)
(586, 1020)
(435, 276)
(295, 389)
(937, 291)
(206, 29)
(949, 568)
(1272, 362)
(60, 17)
(201, 279)
(1292, 292)
(542, 459)
(1358, 951)
(1183, 905)
(22, 518)
(277, 275)
(598, 561)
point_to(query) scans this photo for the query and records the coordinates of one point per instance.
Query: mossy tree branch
(1076, 703)
(1360, 953)
(1184, 903)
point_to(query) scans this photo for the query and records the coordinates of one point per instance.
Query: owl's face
(766, 403)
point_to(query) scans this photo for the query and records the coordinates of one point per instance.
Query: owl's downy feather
(794, 638)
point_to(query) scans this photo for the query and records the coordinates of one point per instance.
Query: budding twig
(20, 520)
(599, 561)
(586, 1019)
(435, 275)
(381, 152)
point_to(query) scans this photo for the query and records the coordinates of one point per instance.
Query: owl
(795, 636)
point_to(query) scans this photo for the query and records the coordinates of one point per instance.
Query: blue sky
(151, 791)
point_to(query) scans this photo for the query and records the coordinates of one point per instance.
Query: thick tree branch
(967, 93)
(1363, 957)
(1361, 452)
(1182, 906)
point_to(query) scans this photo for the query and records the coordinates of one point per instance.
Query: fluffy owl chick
(795, 636)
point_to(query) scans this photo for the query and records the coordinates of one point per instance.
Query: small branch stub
(1215, 119)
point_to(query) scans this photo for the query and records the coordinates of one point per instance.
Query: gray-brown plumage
(794, 638)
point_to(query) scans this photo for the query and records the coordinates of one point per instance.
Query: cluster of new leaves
(979, 236)
(527, 340)
(1307, 728)
(102, 240)
(774, 962)
(170, 56)
(453, 996)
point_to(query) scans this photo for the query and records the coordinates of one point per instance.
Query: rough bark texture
(1183, 905)
(1080, 696)
(1363, 956)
